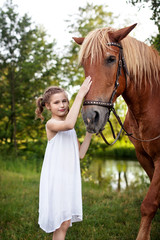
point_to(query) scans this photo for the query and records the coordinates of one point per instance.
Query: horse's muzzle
(95, 118)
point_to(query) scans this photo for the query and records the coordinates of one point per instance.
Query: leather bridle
(110, 104)
(121, 63)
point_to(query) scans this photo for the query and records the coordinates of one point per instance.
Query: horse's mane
(143, 62)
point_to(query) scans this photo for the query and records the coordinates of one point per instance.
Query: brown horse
(100, 55)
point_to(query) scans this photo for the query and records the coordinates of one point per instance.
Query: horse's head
(100, 60)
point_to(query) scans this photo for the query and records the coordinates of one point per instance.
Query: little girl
(60, 198)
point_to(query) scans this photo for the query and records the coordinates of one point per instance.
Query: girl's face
(58, 105)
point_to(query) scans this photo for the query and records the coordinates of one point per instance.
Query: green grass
(108, 215)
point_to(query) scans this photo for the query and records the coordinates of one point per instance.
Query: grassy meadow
(108, 215)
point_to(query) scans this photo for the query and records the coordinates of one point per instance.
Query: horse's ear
(121, 33)
(78, 40)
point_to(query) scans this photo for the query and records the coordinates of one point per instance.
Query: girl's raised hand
(85, 86)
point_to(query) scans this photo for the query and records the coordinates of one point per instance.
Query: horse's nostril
(96, 118)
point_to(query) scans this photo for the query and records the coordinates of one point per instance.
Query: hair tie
(42, 103)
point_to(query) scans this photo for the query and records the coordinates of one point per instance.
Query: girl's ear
(47, 105)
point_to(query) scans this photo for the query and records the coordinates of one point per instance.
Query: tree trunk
(13, 109)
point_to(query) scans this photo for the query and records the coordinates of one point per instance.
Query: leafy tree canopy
(27, 66)
(155, 7)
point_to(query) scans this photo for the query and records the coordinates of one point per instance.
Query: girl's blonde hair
(41, 101)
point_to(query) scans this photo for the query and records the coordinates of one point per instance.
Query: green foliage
(28, 160)
(155, 41)
(90, 17)
(27, 67)
(155, 7)
(123, 149)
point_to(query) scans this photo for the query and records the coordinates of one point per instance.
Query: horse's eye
(110, 60)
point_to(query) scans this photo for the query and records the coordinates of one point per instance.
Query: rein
(110, 104)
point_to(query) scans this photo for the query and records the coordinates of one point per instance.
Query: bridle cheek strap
(109, 105)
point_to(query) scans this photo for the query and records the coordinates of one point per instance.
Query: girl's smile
(62, 110)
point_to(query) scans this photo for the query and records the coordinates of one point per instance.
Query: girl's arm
(71, 118)
(85, 145)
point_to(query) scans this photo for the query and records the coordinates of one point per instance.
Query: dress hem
(73, 220)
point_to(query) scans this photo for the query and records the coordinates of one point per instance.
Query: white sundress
(60, 196)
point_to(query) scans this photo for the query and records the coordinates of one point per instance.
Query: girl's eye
(56, 102)
(110, 60)
(64, 101)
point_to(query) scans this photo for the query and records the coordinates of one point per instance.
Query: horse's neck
(143, 86)
(141, 100)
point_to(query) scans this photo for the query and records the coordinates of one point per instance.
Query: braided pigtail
(40, 107)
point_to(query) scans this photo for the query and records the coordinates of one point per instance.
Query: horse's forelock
(94, 45)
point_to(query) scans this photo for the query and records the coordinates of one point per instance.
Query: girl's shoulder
(49, 132)
(50, 123)
(51, 120)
